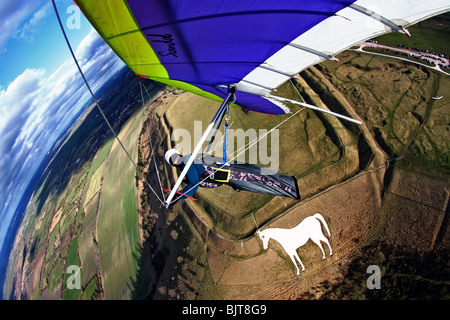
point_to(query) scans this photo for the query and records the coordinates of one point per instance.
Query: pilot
(174, 158)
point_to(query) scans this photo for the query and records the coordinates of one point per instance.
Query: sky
(41, 89)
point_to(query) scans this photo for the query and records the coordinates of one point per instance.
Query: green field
(432, 34)
(87, 248)
(117, 227)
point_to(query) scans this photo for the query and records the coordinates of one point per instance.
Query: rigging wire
(95, 99)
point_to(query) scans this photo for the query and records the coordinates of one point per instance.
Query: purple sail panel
(247, 100)
(220, 42)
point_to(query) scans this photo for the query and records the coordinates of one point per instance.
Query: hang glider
(213, 47)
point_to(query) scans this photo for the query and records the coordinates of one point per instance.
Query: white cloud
(12, 14)
(33, 110)
(30, 28)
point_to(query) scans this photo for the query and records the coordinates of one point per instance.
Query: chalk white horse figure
(291, 239)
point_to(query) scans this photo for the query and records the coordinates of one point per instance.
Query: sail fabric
(203, 46)
(249, 177)
(244, 176)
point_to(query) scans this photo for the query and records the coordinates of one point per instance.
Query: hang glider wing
(203, 46)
